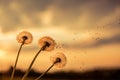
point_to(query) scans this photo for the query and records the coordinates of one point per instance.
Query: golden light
(2, 54)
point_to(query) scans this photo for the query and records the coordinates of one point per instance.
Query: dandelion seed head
(46, 42)
(24, 35)
(59, 59)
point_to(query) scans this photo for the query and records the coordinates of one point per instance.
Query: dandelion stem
(38, 78)
(57, 61)
(28, 70)
(13, 72)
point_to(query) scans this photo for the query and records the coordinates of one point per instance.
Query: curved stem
(13, 72)
(25, 75)
(38, 78)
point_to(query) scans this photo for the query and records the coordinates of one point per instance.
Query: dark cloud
(71, 10)
(111, 40)
(32, 6)
(5, 3)
(11, 19)
(65, 12)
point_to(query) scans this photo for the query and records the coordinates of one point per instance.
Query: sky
(86, 31)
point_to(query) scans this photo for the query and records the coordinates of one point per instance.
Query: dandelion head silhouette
(24, 35)
(59, 59)
(47, 42)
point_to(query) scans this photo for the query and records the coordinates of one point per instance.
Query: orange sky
(86, 32)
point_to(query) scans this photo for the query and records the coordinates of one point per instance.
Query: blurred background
(86, 31)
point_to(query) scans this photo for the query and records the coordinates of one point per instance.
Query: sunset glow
(88, 32)
(2, 54)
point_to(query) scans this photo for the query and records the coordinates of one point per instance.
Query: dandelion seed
(24, 35)
(46, 43)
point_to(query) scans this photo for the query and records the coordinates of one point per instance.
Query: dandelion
(23, 37)
(59, 60)
(46, 44)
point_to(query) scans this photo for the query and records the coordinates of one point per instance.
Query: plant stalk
(38, 78)
(28, 70)
(13, 72)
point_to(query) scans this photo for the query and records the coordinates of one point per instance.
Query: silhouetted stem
(28, 70)
(45, 72)
(13, 72)
(57, 61)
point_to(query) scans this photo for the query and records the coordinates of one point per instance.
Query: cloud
(21, 13)
(73, 14)
(84, 14)
(99, 42)
(113, 39)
